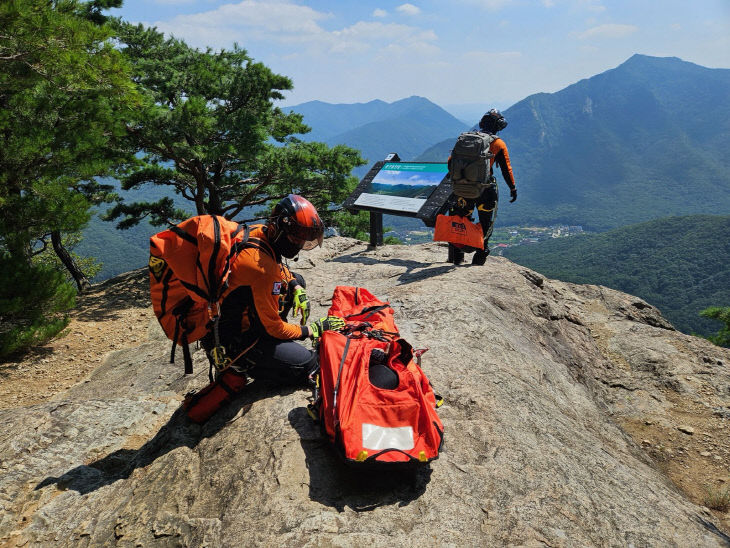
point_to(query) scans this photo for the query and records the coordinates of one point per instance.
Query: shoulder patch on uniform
(157, 267)
(276, 290)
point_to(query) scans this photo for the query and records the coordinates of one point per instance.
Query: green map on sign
(407, 180)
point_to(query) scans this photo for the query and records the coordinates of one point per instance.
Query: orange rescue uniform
(252, 304)
(499, 149)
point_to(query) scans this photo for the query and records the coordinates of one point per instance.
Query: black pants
(486, 206)
(271, 360)
(280, 362)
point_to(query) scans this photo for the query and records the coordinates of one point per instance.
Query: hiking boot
(480, 256)
(455, 256)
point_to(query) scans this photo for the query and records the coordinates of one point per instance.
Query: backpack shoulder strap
(255, 243)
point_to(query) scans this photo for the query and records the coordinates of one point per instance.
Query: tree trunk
(79, 277)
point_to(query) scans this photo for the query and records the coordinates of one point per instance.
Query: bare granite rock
(555, 396)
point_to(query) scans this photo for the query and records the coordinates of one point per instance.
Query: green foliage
(352, 226)
(65, 94)
(681, 265)
(88, 264)
(211, 133)
(721, 314)
(358, 226)
(33, 304)
(65, 98)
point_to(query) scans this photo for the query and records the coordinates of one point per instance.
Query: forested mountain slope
(681, 265)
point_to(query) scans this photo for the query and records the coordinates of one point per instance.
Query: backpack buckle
(214, 310)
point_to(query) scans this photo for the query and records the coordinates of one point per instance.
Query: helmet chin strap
(284, 247)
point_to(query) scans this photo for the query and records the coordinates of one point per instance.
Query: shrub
(34, 300)
(721, 314)
(717, 499)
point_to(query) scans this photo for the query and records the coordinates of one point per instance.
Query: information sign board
(409, 189)
(402, 187)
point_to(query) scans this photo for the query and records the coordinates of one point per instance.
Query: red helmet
(297, 219)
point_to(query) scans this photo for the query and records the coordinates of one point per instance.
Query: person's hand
(326, 324)
(301, 303)
(513, 194)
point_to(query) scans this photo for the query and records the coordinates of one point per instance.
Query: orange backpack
(189, 267)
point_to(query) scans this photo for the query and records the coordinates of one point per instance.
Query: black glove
(513, 194)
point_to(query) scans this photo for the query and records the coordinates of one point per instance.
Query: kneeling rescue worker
(252, 325)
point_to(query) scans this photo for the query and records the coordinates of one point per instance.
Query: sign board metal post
(376, 228)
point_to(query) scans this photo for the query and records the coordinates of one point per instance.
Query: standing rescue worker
(486, 204)
(252, 325)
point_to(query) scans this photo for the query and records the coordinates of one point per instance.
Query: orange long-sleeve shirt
(501, 157)
(258, 282)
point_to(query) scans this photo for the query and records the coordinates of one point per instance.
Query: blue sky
(475, 53)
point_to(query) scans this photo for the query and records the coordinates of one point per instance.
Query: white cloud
(247, 20)
(379, 13)
(296, 30)
(389, 37)
(409, 9)
(491, 5)
(608, 31)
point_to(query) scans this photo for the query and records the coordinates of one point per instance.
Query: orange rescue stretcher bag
(373, 401)
(459, 231)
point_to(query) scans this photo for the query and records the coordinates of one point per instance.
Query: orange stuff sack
(189, 266)
(200, 406)
(367, 423)
(459, 231)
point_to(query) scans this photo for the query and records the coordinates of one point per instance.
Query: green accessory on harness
(326, 324)
(301, 302)
(221, 360)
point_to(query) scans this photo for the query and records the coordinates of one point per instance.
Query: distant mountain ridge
(406, 127)
(327, 119)
(644, 140)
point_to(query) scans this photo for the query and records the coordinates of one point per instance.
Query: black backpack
(469, 164)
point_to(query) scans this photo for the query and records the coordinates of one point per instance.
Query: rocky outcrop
(558, 400)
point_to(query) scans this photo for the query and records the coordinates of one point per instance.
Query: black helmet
(294, 225)
(492, 121)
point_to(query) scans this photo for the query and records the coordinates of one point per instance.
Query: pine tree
(212, 134)
(721, 314)
(65, 99)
